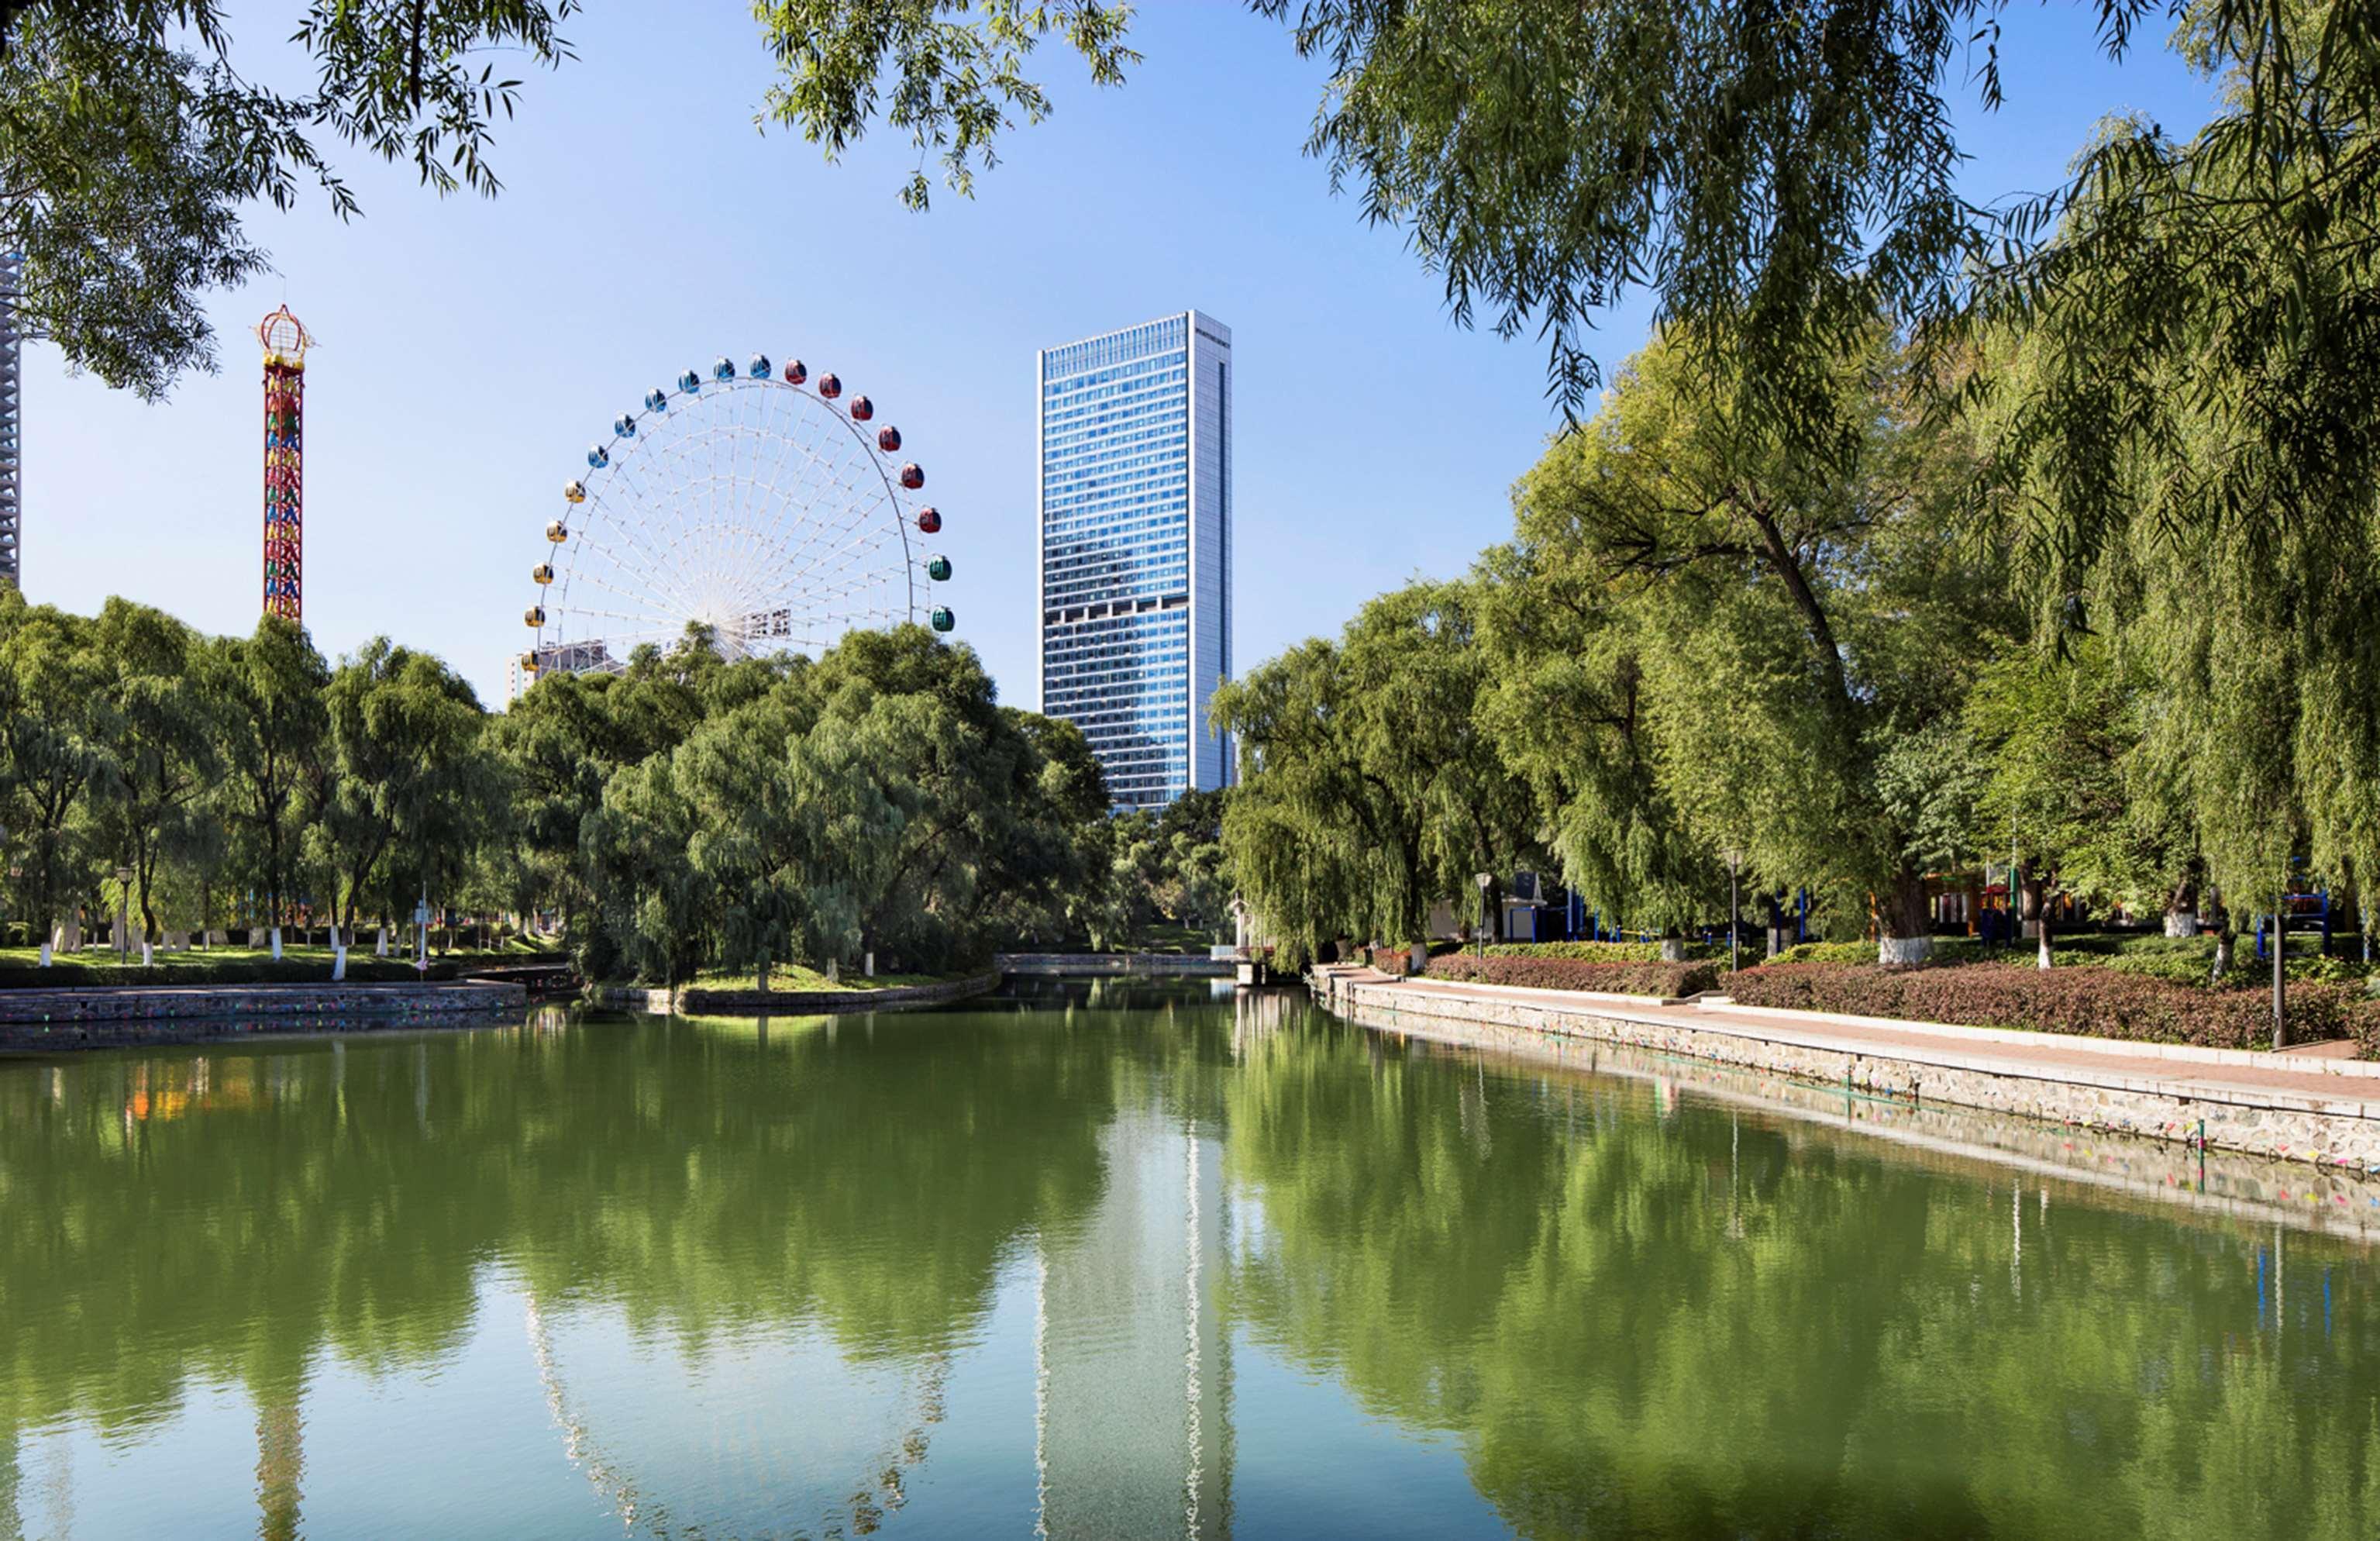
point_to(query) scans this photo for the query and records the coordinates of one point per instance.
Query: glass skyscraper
(1137, 550)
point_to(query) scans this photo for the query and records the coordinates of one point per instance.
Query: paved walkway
(2336, 1086)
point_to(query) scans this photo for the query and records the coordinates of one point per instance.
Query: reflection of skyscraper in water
(1132, 1351)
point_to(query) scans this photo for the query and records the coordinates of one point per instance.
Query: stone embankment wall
(2336, 1132)
(120, 1017)
(2254, 1190)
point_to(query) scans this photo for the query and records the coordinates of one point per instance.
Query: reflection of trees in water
(1706, 1323)
(250, 1211)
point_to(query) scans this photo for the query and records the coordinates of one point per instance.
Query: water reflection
(1106, 1260)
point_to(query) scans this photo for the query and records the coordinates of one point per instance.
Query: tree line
(1843, 668)
(690, 812)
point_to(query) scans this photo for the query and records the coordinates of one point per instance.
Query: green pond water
(1115, 1263)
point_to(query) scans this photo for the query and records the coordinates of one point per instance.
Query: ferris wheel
(759, 504)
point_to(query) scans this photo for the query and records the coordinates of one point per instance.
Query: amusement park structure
(762, 506)
(285, 341)
(13, 336)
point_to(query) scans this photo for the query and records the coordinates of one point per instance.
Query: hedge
(1586, 952)
(1618, 978)
(68, 974)
(2096, 1003)
(2364, 1026)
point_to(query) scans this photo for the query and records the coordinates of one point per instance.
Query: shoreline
(2316, 1111)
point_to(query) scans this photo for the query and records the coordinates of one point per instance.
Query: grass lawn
(788, 979)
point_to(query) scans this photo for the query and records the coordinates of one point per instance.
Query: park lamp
(1733, 857)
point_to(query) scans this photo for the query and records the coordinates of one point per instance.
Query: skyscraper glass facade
(1135, 550)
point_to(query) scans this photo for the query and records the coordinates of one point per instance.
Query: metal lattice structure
(758, 504)
(285, 341)
(12, 427)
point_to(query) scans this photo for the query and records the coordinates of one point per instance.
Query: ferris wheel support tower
(285, 341)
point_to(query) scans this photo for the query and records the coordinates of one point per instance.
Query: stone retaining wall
(2261, 1191)
(2331, 1138)
(133, 1002)
(44, 1021)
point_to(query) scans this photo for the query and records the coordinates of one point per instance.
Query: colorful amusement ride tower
(285, 342)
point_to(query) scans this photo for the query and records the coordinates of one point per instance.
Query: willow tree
(1369, 789)
(1773, 637)
(164, 741)
(406, 752)
(2192, 444)
(58, 729)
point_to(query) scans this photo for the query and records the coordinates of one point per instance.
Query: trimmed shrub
(1584, 951)
(1947, 950)
(1618, 978)
(2096, 1003)
(2364, 1026)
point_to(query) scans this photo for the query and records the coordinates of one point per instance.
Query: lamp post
(1486, 880)
(1734, 859)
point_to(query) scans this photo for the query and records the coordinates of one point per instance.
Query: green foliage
(130, 145)
(875, 800)
(1368, 789)
(2096, 1003)
(951, 84)
(1590, 951)
(1654, 978)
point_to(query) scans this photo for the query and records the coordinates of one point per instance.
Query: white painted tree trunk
(1673, 950)
(1903, 952)
(45, 952)
(381, 951)
(147, 955)
(2181, 923)
(867, 965)
(2041, 957)
(276, 943)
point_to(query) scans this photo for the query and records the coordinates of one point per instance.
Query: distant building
(1135, 550)
(524, 670)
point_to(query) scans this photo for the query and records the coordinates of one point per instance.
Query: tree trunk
(2222, 940)
(2281, 975)
(1903, 938)
(2181, 910)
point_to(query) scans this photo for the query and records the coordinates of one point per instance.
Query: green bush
(1582, 951)
(1616, 977)
(2098, 1003)
(1947, 950)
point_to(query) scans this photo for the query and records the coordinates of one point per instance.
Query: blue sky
(472, 349)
